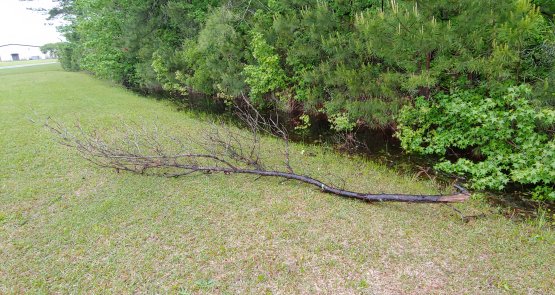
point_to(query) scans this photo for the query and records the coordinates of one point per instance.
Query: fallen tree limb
(223, 150)
(340, 192)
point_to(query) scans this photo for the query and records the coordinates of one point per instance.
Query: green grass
(26, 62)
(69, 227)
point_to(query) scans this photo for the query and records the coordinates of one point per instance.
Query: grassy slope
(67, 226)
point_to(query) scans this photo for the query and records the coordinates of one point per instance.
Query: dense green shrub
(68, 56)
(504, 135)
(328, 56)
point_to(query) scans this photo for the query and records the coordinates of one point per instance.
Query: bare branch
(224, 149)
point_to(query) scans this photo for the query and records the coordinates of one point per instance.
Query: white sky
(20, 25)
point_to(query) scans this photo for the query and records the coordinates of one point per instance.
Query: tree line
(472, 81)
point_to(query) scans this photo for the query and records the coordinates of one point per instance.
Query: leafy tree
(51, 49)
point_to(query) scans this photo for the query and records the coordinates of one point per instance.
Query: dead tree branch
(223, 149)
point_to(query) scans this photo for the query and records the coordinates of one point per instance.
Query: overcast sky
(20, 25)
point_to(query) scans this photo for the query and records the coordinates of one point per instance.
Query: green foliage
(213, 63)
(439, 45)
(51, 48)
(351, 55)
(68, 56)
(503, 133)
(546, 6)
(304, 123)
(302, 127)
(267, 75)
(357, 61)
(341, 123)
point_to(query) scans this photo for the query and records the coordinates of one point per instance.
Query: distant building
(13, 52)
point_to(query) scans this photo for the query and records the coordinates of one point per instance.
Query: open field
(69, 227)
(26, 62)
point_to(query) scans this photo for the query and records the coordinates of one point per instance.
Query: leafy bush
(503, 133)
(341, 123)
(267, 75)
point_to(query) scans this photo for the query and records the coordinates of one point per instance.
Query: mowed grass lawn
(69, 227)
(26, 62)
